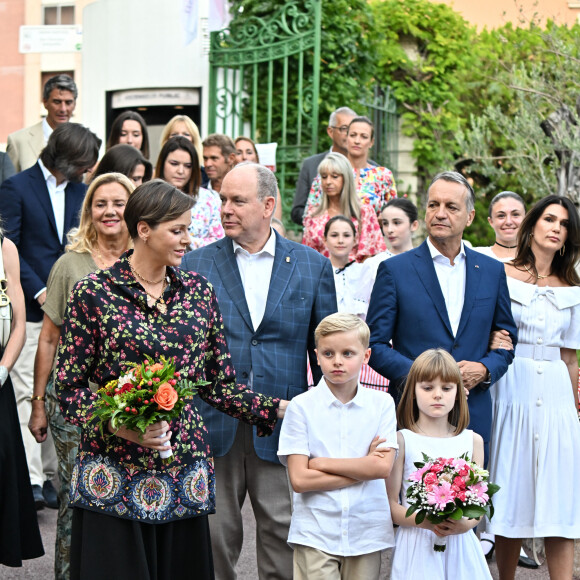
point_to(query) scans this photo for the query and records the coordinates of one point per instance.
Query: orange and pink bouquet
(146, 394)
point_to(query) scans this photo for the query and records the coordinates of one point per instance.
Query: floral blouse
(109, 323)
(371, 239)
(206, 224)
(375, 186)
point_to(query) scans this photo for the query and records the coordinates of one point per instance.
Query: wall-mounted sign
(154, 97)
(50, 39)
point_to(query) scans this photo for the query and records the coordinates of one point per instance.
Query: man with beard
(39, 206)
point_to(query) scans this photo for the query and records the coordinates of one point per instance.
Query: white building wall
(139, 44)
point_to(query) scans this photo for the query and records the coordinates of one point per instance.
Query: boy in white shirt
(339, 442)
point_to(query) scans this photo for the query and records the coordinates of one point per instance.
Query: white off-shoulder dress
(535, 438)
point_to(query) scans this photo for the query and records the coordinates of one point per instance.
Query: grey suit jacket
(308, 172)
(24, 146)
(6, 167)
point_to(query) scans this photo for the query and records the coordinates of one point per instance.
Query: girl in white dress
(535, 439)
(434, 415)
(340, 238)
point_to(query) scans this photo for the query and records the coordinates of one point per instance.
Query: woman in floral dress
(133, 516)
(179, 165)
(375, 185)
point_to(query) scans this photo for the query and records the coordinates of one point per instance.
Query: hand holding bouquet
(449, 489)
(146, 394)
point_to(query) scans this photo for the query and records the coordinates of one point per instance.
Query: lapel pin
(288, 259)
(476, 266)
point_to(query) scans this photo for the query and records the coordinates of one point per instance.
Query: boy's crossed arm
(326, 473)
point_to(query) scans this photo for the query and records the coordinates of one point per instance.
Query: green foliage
(534, 72)
(422, 50)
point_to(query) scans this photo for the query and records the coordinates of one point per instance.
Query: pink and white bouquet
(147, 393)
(449, 489)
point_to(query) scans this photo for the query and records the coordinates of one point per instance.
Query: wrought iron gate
(264, 83)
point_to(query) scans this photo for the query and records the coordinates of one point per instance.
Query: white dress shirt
(57, 198)
(354, 520)
(452, 282)
(46, 130)
(256, 272)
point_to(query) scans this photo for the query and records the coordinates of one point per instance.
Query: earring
(563, 250)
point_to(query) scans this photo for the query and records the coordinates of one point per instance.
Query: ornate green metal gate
(264, 83)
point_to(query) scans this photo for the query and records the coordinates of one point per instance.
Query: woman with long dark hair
(535, 439)
(178, 164)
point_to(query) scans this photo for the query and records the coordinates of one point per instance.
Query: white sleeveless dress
(414, 556)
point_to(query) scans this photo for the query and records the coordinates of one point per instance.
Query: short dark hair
(62, 83)
(182, 144)
(456, 177)
(70, 146)
(563, 266)
(117, 126)
(225, 143)
(154, 203)
(366, 120)
(123, 159)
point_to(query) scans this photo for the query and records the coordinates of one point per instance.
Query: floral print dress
(374, 185)
(371, 239)
(108, 323)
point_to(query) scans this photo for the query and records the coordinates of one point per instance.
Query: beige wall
(11, 69)
(496, 13)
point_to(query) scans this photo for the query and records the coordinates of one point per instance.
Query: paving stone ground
(42, 568)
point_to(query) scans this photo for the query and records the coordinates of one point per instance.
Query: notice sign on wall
(50, 39)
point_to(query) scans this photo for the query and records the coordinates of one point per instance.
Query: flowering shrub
(443, 489)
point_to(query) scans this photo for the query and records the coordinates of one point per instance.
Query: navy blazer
(301, 294)
(407, 307)
(26, 209)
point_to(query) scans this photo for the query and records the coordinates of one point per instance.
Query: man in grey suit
(272, 294)
(59, 97)
(337, 130)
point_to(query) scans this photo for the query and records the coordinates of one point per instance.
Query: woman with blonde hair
(96, 244)
(183, 126)
(339, 197)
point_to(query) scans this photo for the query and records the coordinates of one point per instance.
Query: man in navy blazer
(443, 294)
(272, 293)
(38, 207)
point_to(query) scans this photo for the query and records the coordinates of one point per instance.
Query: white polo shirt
(354, 520)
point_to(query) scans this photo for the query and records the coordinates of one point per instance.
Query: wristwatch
(3, 375)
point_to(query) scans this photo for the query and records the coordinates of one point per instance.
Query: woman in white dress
(535, 440)
(506, 212)
(505, 215)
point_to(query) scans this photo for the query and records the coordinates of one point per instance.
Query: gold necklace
(158, 301)
(137, 275)
(538, 276)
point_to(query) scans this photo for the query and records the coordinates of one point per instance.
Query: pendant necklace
(158, 301)
(538, 276)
